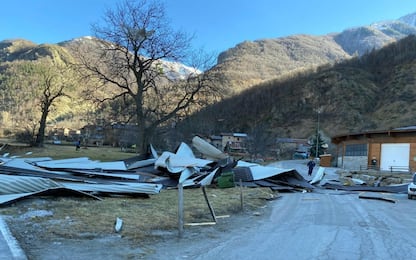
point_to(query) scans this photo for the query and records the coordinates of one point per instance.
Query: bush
(25, 136)
(7, 132)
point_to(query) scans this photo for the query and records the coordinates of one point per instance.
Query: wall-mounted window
(356, 150)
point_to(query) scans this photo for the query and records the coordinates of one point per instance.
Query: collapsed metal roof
(25, 177)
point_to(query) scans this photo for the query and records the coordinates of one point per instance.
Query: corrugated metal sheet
(121, 188)
(22, 177)
(18, 184)
(81, 163)
(10, 198)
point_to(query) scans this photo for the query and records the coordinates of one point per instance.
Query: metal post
(317, 136)
(180, 210)
(241, 195)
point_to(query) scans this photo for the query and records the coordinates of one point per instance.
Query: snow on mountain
(178, 71)
(359, 40)
(409, 19)
(173, 70)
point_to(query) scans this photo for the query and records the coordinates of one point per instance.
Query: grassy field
(75, 217)
(103, 153)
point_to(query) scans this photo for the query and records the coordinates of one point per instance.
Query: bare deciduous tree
(41, 83)
(134, 62)
(52, 86)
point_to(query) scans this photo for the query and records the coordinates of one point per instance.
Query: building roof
(390, 132)
(292, 140)
(234, 134)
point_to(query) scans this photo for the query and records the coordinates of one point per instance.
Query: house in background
(389, 150)
(234, 142)
(121, 135)
(216, 141)
(59, 134)
(92, 135)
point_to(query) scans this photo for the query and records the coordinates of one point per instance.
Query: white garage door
(395, 155)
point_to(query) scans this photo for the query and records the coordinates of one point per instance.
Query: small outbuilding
(389, 150)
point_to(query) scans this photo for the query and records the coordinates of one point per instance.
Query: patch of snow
(36, 214)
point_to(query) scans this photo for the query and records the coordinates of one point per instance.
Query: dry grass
(74, 217)
(78, 217)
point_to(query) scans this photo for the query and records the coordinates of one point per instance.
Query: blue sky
(217, 24)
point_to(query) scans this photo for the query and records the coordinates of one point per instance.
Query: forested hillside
(23, 67)
(250, 63)
(32, 74)
(375, 91)
(253, 62)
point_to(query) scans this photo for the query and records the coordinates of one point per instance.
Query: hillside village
(119, 135)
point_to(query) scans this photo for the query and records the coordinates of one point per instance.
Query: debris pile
(138, 176)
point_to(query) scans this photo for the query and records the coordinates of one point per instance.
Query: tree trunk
(142, 140)
(42, 125)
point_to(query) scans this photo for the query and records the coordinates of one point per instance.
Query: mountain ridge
(333, 48)
(280, 84)
(373, 92)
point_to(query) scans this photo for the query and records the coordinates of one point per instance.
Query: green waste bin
(226, 180)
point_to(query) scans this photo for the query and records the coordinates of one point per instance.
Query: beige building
(390, 150)
(234, 142)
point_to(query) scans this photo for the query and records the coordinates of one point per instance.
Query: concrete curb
(10, 248)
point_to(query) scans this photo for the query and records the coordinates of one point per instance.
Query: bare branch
(138, 59)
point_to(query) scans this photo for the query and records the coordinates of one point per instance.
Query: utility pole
(317, 135)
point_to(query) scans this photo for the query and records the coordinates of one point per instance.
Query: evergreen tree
(317, 141)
